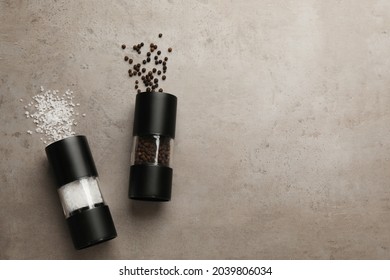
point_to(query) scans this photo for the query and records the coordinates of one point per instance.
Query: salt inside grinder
(88, 217)
(151, 157)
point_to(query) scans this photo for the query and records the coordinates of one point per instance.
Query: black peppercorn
(166, 58)
(164, 68)
(143, 70)
(144, 61)
(126, 58)
(136, 81)
(160, 35)
(160, 61)
(158, 72)
(154, 70)
(156, 57)
(139, 91)
(130, 61)
(142, 44)
(147, 152)
(163, 77)
(123, 46)
(155, 80)
(148, 59)
(159, 52)
(148, 53)
(160, 90)
(136, 87)
(169, 49)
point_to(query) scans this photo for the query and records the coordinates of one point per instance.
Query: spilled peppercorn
(150, 83)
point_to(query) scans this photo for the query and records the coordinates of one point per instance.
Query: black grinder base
(150, 182)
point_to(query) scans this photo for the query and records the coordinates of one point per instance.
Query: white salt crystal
(21, 99)
(52, 114)
(29, 132)
(78, 194)
(84, 115)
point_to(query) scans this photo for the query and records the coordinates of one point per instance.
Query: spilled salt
(52, 114)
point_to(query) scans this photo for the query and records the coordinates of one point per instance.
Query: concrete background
(282, 148)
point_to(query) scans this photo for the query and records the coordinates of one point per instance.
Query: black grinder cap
(155, 113)
(71, 160)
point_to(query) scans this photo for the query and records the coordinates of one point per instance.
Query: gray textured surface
(282, 147)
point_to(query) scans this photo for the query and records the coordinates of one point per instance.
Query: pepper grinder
(152, 150)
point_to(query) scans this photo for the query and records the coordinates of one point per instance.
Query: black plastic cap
(71, 159)
(150, 182)
(91, 227)
(155, 113)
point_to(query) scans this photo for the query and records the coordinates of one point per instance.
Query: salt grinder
(88, 217)
(151, 156)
